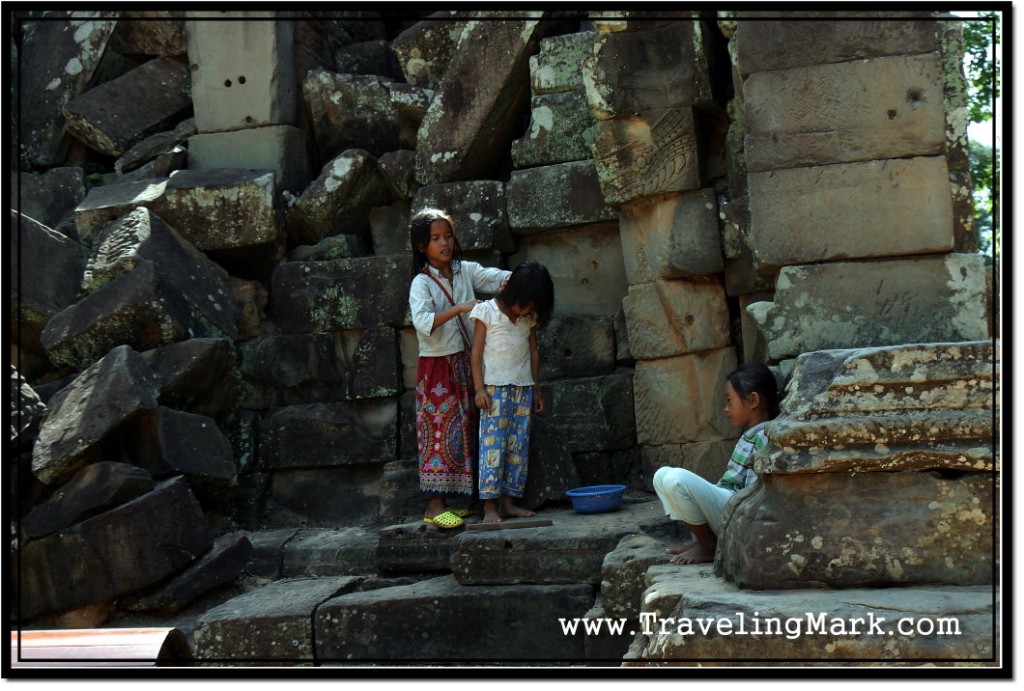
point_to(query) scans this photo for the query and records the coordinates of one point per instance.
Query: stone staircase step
(439, 620)
(569, 551)
(341, 552)
(909, 625)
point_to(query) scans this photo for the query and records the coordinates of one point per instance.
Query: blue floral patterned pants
(505, 441)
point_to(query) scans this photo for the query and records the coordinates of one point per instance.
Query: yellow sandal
(446, 520)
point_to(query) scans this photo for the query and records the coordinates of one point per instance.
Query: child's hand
(538, 402)
(482, 400)
(469, 305)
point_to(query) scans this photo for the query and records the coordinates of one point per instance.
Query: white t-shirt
(507, 347)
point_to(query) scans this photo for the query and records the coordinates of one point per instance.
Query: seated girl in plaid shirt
(751, 400)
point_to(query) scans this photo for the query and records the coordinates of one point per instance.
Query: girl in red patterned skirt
(442, 290)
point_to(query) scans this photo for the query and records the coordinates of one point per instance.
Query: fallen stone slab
(38, 295)
(119, 113)
(221, 565)
(198, 375)
(151, 32)
(691, 618)
(118, 552)
(400, 623)
(342, 552)
(103, 397)
(154, 146)
(369, 57)
(557, 67)
(561, 129)
(399, 171)
(92, 490)
(623, 573)
(273, 624)
(60, 52)
(345, 246)
(137, 309)
(570, 551)
(425, 48)
(106, 203)
(221, 209)
(51, 197)
(389, 229)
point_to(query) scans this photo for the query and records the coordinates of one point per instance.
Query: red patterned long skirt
(446, 424)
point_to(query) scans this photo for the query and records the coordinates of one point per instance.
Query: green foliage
(981, 69)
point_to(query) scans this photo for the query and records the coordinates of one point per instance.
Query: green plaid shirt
(740, 472)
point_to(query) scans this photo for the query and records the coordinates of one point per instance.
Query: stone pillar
(881, 471)
(246, 95)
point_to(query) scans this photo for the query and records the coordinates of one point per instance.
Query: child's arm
(538, 400)
(476, 362)
(421, 307)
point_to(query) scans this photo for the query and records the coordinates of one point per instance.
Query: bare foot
(509, 510)
(698, 555)
(491, 511)
(682, 550)
(436, 507)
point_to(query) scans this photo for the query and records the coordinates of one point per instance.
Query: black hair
(419, 234)
(530, 283)
(755, 377)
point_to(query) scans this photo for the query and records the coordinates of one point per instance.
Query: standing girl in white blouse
(441, 292)
(505, 364)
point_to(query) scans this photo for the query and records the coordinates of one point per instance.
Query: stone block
(151, 32)
(329, 434)
(648, 153)
(51, 197)
(764, 45)
(620, 467)
(605, 646)
(671, 236)
(409, 348)
(120, 551)
(425, 48)
(910, 407)
(197, 375)
(325, 496)
(169, 442)
(243, 73)
(681, 400)
(891, 107)
(400, 497)
(320, 367)
(831, 530)
(755, 348)
(280, 148)
(162, 166)
(557, 196)
(804, 215)
(341, 294)
(575, 347)
(415, 547)
(92, 490)
(38, 295)
(592, 414)
(271, 624)
(557, 67)
(399, 170)
(221, 209)
(339, 200)
(669, 318)
(570, 551)
(106, 203)
(393, 623)
(369, 57)
(141, 237)
(586, 268)
(220, 566)
(561, 130)
(475, 110)
(635, 71)
(389, 229)
(860, 304)
(368, 112)
(136, 309)
(477, 209)
(551, 471)
(319, 553)
(622, 573)
(827, 630)
(104, 396)
(119, 113)
(267, 550)
(63, 54)
(153, 147)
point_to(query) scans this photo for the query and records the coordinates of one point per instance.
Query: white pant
(689, 498)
